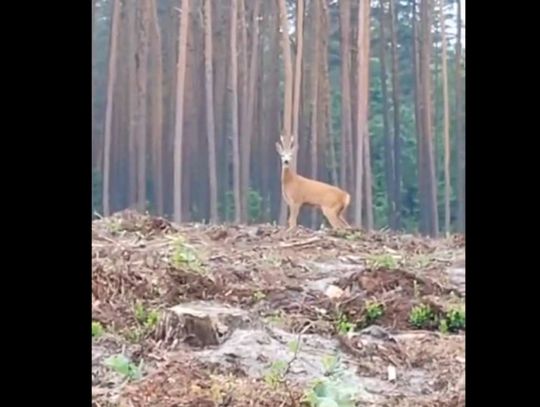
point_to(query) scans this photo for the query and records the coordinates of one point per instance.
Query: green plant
(373, 311)
(114, 226)
(146, 322)
(343, 325)
(443, 326)
(353, 236)
(275, 375)
(183, 256)
(122, 365)
(97, 329)
(456, 319)
(335, 389)
(146, 318)
(259, 295)
(133, 335)
(422, 316)
(346, 234)
(386, 261)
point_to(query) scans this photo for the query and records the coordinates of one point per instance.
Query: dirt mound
(147, 274)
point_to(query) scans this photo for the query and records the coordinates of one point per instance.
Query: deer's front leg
(294, 209)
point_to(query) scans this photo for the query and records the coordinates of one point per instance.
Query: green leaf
(293, 346)
(122, 365)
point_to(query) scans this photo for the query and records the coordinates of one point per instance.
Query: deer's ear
(278, 148)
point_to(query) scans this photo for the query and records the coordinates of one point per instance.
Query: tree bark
(109, 109)
(347, 166)
(287, 105)
(95, 140)
(362, 106)
(157, 109)
(425, 75)
(460, 133)
(221, 70)
(131, 17)
(271, 106)
(314, 139)
(446, 123)
(179, 116)
(243, 105)
(397, 130)
(142, 81)
(210, 126)
(298, 71)
(423, 221)
(234, 112)
(248, 129)
(388, 144)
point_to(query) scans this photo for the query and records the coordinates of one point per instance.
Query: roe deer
(298, 191)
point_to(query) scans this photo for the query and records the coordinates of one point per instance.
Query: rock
(334, 292)
(392, 374)
(377, 332)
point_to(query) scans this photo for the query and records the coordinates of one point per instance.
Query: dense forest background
(190, 96)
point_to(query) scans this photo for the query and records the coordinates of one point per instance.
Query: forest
(190, 96)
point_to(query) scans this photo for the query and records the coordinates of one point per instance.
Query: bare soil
(230, 299)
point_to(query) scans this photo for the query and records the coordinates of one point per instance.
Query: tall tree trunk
(298, 71)
(210, 127)
(425, 75)
(243, 104)
(234, 112)
(423, 221)
(157, 109)
(325, 134)
(95, 140)
(142, 81)
(334, 180)
(347, 166)
(172, 23)
(314, 139)
(366, 54)
(109, 109)
(287, 105)
(446, 123)
(131, 17)
(271, 107)
(221, 70)
(460, 131)
(362, 115)
(179, 116)
(251, 80)
(388, 145)
(397, 133)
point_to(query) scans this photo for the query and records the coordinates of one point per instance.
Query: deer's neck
(287, 174)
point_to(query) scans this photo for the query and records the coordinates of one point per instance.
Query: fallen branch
(301, 243)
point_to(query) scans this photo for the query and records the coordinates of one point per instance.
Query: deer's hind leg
(331, 214)
(342, 218)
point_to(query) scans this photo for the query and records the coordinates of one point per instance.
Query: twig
(297, 348)
(283, 379)
(300, 243)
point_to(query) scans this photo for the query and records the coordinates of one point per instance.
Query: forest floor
(222, 315)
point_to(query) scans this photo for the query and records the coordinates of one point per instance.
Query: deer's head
(286, 152)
